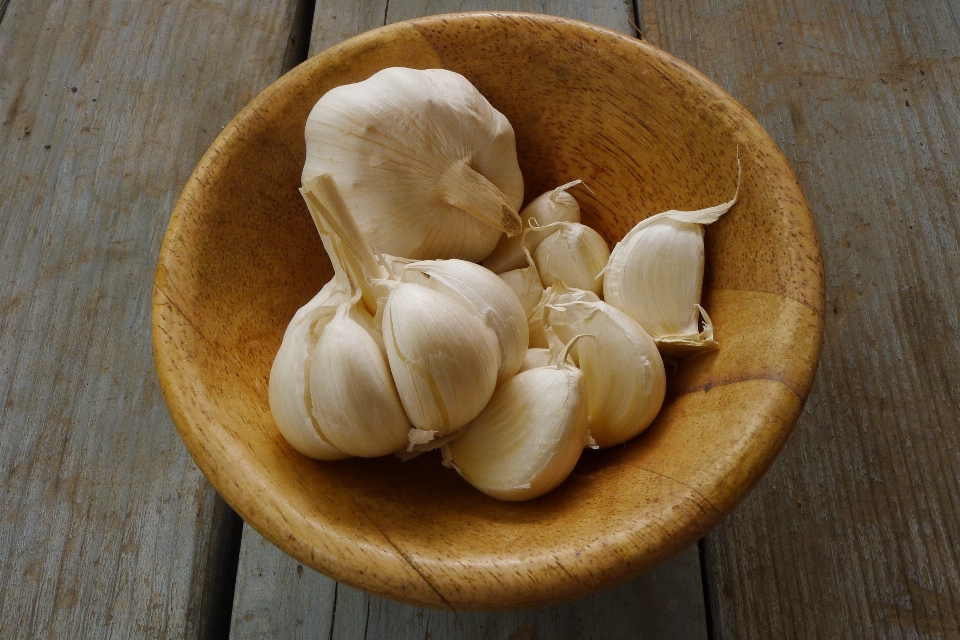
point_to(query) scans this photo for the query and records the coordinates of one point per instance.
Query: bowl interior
(646, 133)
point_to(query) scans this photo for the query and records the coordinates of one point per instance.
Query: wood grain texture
(108, 528)
(853, 532)
(239, 257)
(281, 598)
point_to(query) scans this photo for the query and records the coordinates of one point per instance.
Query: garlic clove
(553, 206)
(528, 438)
(355, 402)
(655, 275)
(624, 373)
(289, 388)
(536, 357)
(443, 359)
(525, 283)
(495, 303)
(427, 166)
(574, 254)
(552, 295)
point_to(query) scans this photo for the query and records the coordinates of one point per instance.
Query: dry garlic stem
(655, 275)
(553, 206)
(529, 437)
(623, 370)
(427, 166)
(573, 253)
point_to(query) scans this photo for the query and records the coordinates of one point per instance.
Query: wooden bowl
(646, 133)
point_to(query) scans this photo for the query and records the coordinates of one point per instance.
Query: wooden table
(107, 528)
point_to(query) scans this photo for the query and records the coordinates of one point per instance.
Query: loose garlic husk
(655, 276)
(355, 402)
(495, 303)
(553, 206)
(289, 387)
(555, 294)
(444, 360)
(623, 370)
(530, 435)
(575, 254)
(427, 166)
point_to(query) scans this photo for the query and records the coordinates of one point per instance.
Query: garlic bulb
(556, 294)
(427, 166)
(655, 275)
(574, 254)
(495, 303)
(623, 370)
(289, 387)
(529, 437)
(553, 206)
(443, 359)
(525, 283)
(355, 401)
(536, 357)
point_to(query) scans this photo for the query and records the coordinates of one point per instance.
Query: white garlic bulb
(444, 360)
(624, 373)
(495, 303)
(529, 437)
(553, 206)
(355, 402)
(574, 254)
(427, 166)
(655, 275)
(289, 387)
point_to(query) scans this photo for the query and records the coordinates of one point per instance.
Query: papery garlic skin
(655, 275)
(528, 438)
(525, 283)
(426, 165)
(443, 359)
(355, 402)
(555, 205)
(558, 293)
(575, 254)
(621, 365)
(535, 358)
(496, 305)
(289, 387)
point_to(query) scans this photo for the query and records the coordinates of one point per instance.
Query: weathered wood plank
(108, 528)
(853, 532)
(280, 598)
(277, 597)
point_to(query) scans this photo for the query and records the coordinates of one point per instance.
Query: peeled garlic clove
(427, 166)
(289, 388)
(624, 373)
(574, 254)
(557, 293)
(443, 359)
(655, 275)
(528, 438)
(553, 206)
(355, 402)
(480, 289)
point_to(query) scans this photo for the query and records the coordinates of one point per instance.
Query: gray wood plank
(854, 531)
(277, 597)
(108, 530)
(280, 598)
